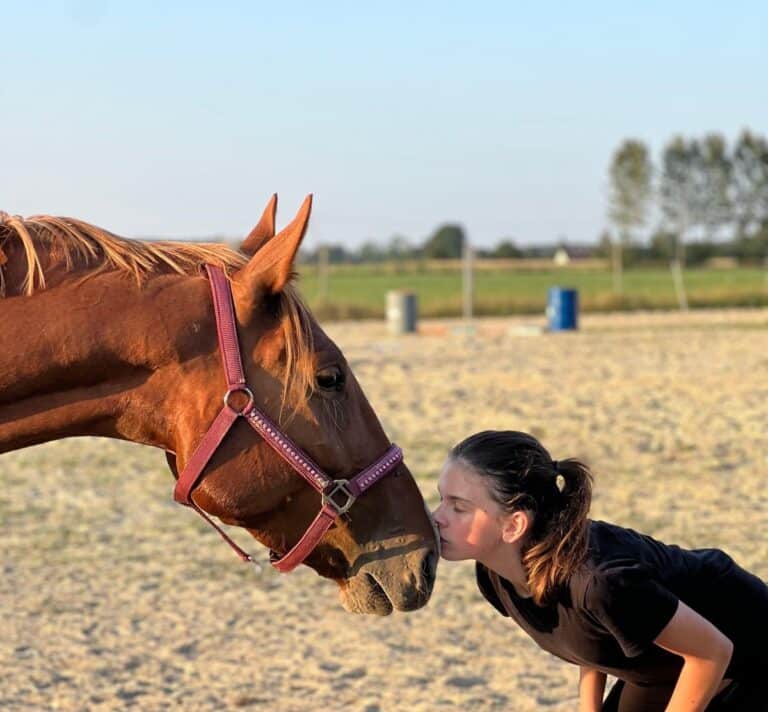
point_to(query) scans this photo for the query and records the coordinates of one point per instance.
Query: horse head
(382, 551)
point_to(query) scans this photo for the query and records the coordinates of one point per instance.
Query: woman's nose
(437, 515)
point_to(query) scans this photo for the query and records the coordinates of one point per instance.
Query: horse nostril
(429, 566)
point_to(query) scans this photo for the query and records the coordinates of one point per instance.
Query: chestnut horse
(117, 338)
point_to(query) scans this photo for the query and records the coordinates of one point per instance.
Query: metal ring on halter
(239, 389)
(339, 486)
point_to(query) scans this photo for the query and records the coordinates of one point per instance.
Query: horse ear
(272, 267)
(264, 230)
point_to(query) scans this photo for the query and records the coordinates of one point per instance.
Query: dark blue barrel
(562, 309)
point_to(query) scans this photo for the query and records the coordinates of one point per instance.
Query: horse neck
(88, 357)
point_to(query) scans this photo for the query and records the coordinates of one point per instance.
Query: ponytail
(558, 494)
(559, 537)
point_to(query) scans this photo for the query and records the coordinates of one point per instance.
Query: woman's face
(468, 518)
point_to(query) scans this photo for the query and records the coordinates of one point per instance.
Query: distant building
(561, 257)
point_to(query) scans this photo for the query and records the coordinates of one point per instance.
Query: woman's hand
(706, 653)
(591, 689)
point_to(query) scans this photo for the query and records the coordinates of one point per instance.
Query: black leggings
(749, 695)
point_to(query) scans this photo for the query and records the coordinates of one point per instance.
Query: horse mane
(73, 240)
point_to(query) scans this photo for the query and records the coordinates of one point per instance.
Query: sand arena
(115, 598)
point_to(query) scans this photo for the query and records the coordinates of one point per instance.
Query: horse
(112, 337)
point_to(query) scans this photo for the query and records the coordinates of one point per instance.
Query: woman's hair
(523, 475)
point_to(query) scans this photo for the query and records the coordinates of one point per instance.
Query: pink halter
(347, 491)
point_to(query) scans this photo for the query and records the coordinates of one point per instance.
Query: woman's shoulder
(617, 557)
(607, 540)
(614, 547)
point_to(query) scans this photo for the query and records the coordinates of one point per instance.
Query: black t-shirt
(624, 596)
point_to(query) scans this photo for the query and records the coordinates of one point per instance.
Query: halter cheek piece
(337, 496)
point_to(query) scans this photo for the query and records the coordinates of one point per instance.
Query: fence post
(322, 273)
(468, 282)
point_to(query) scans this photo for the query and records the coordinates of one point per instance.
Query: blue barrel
(562, 309)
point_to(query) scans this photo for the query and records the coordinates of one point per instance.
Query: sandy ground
(114, 598)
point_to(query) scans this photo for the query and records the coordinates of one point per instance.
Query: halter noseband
(337, 496)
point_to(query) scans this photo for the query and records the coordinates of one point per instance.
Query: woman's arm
(706, 653)
(591, 689)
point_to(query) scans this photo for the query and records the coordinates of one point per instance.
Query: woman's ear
(515, 526)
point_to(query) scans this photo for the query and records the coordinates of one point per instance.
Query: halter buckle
(339, 486)
(246, 392)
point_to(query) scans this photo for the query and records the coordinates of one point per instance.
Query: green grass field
(359, 291)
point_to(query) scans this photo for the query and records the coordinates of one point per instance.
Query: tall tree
(630, 197)
(712, 173)
(749, 183)
(679, 195)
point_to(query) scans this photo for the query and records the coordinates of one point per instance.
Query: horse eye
(330, 379)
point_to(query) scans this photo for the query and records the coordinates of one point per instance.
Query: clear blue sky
(180, 119)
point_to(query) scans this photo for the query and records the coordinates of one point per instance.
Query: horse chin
(363, 594)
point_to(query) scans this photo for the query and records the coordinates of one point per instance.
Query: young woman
(681, 630)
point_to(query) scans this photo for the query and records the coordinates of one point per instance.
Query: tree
(712, 174)
(698, 252)
(370, 251)
(337, 254)
(399, 247)
(753, 247)
(604, 245)
(629, 200)
(507, 249)
(678, 194)
(749, 183)
(661, 246)
(445, 243)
